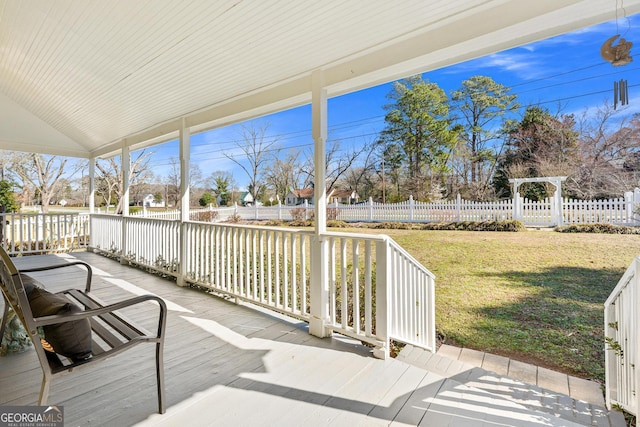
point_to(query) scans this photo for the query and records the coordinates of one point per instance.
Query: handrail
(621, 320)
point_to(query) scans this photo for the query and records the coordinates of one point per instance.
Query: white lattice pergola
(556, 181)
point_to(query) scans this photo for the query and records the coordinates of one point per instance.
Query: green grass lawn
(535, 296)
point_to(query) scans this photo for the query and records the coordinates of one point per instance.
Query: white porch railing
(266, 266)
(621, 323)
(39, 233)
(377, 291)
(152, 243)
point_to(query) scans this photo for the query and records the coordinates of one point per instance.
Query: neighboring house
(345, 197)
(246, 199)
(149, 201)
(299, 196)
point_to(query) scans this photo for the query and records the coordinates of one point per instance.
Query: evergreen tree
(539, 145)
(418, 122)
(8, 201)
(481, 102)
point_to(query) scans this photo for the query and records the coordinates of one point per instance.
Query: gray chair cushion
(71, 339)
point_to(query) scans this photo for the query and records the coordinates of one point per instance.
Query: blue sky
(563, 73)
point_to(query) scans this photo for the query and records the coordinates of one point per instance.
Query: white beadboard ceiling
(83, 77)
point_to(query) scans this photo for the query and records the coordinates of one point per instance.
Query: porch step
(540, 390)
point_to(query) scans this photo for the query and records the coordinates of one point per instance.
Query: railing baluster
(356, 285)
(277, 268)
(344, 291)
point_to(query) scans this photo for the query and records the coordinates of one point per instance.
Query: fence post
(635, 215)
(255, 205)
(335, 206)
(558, 198)
(279, 210)
(410, 207)
(306, 206)
(628, 207)
(458, 207)
(516, 206)
(371, 209)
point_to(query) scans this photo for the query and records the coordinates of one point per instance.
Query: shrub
(235, 218)
(332, 213)
(301, 223)
(208, 216)
(337, 224)
(207, 199)
(298, 214)
(509, 226)
(597, 228)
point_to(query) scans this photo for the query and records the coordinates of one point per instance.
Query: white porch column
(126, 175)
(125, 161)
(319, 281)
(92, 185)
(185, 154)
(92, 195)
(185, 249)
(319, 133)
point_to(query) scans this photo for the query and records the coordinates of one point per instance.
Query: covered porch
(99, 79)
(230, 364)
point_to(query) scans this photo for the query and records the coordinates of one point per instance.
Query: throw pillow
(71, 339)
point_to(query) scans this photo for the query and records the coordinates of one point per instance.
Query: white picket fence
(618, 211)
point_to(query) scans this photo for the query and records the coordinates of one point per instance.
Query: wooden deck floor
(228, 364)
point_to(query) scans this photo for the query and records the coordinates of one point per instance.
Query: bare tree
(607, 142)
(360, 176)
(338, 161)
(255, 147)
(110, 183)
(282, 175)
(172, 183)
(42, 173)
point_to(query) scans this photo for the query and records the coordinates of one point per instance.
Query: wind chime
(618, 55)
(620, 93)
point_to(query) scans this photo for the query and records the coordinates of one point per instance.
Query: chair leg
(5, 316)
(44, 390)
(160, 377)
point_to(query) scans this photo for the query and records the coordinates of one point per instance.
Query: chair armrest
(67, 264)
(93, 312)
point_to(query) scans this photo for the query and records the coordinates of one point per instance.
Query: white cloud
(523, 63)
